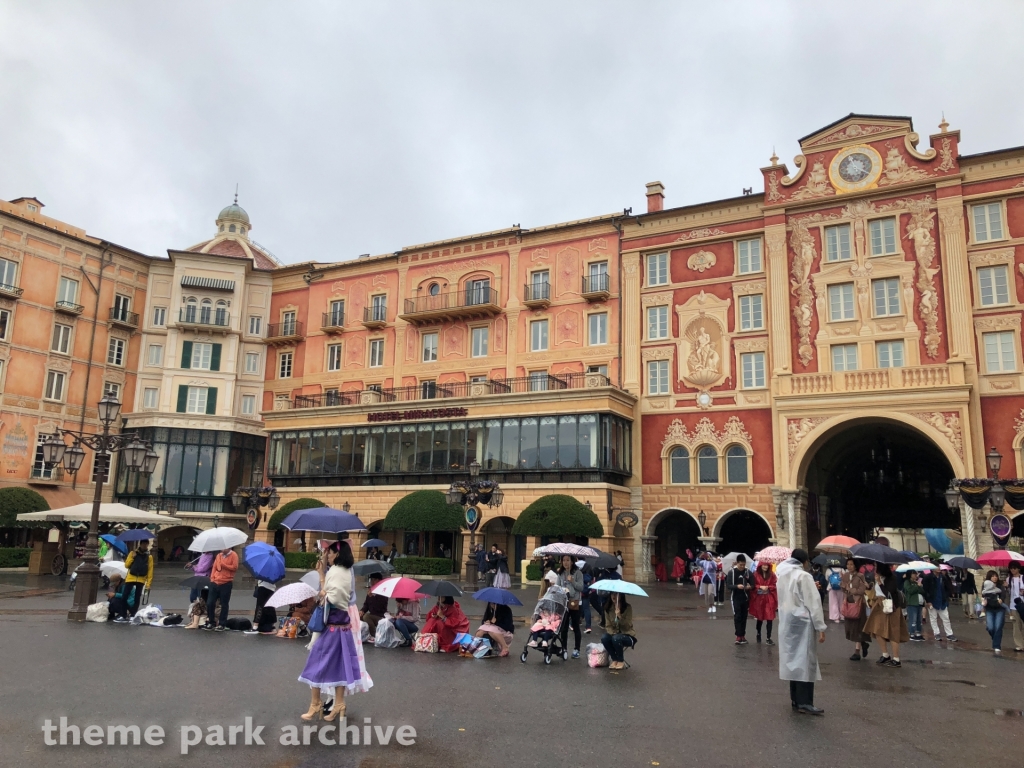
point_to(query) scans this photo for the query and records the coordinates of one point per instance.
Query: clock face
(855, 167)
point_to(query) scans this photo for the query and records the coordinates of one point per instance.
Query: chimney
(655, 197)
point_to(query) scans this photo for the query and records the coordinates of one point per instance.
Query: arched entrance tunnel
(677, 531)
(877, 474)
(743, 531)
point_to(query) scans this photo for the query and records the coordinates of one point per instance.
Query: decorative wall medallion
(800, 286)
(948, 424)
(380, 279)
(454, 338)
(855, 168)
(701, 260)
(817, 184)
(896, 169)
(704, 399)
(919, 230)
(696, 234)
(798, 429)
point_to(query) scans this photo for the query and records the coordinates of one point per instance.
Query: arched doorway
(498, 532)
(170, 539)
(743, 531)
(873, 474)
(676, 531)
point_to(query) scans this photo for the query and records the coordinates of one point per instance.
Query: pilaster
(778, 299)
(630, 310)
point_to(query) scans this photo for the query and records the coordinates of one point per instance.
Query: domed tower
(232, 239)
(233, 219)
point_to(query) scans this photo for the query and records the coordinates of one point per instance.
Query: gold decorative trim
(868, 182)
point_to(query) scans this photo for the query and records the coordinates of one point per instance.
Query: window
(988, 222)
(159, 317)
(197, 400)
(657, 377)
(993, 285)
(657, 269)
(890, 354)
(334, 357)
(999, 352)
(54, 385)
(679, 466)
(149, 397)
(751, 312)
(252, 362)
(255, 325)
(288, 324)
(376, 353)
(598, 328)
(479, 341)
(190, 311)
(539, 336)
(837, 243)
(599, 276)
(8, 273)
(883, 236)
(68, 291)
(337, 318)
(434, 289)
(248, 405)
(750, 256)
(538, 381)
(113, 389)
(284, 365)
(428, 390)
(221, 313)
(156, 355)
(61, 341)
(379, 308)
(122, 306)
(736, 464)
(5, 323)
(601, 369)
(197, 397)
(887, 296)
(478, 292)
(707, 465)
(202, 356)
(206, 312)
(840, 302)
(657, 322)
(429, 341)
(115, 352)
(540, 285)
(752, 366)
(844, 357)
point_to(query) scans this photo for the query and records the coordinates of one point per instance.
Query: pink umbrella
(1000, 558)
(398, 587)
(560, 548)
(773, 555)
(290, 594)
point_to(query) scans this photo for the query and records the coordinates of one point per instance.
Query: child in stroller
(544, 629)
(547, 618)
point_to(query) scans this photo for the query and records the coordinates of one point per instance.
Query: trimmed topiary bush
(280, 514)
(534, 572)
(557, 515)
(304, 560)
(17, 501)
(425, 511)
(14, 557)
(426, 566)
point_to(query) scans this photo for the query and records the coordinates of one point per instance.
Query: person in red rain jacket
(764, 600)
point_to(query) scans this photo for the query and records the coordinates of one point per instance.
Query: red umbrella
(839, 544)
(1001, 558)
(398, 587)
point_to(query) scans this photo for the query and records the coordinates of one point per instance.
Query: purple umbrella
(324, 519)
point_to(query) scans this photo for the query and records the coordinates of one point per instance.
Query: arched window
(707, 465)
(222, 313)
(736, 464)
(680, 466)
(190, 311)
(231, 228)
(434, 289)
(243, 230)
(206, 311)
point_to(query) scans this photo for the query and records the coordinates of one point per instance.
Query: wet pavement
(691, 697)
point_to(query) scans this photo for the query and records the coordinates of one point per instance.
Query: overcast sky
(364, 127)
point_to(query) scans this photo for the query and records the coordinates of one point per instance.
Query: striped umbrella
(561, 548)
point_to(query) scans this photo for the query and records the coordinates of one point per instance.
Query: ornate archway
(671, 532)
(742, 530)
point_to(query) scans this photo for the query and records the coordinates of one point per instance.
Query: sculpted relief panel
(703, 349)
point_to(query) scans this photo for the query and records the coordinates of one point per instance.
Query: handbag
(851, 609)
(574, 605)
(318, 620)
(426, 643)
(887, 605)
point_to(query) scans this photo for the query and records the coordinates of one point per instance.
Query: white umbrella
(560, 548)
(290, 594)
(110, 567)
(312, 578)
(730, 560)
(917, 565)
(217, 539)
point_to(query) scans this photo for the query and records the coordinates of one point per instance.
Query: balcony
(326, 400)
(596, 287)
(124, 318)
(375, 316)
(453, 305)
(333, 322)
(204, 319)
(44, 475)
(537, 296)
(284, 333)
(873, 380)
(10, 291)
(69, 308)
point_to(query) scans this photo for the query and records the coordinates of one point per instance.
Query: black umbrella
(366, 567)
(964, 562)
(440, 589)
(828, 561)
(195, 582)
(879, 553)
(603, 560)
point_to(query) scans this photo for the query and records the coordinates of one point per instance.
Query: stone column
(956, 277)
(823, 515)
(644, 569)
(630, 309)
(968, 526)
(710, 542)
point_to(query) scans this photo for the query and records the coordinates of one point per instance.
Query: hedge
(557, 515)
(17, 501)
(534, 572)
(278, 517)
(306, 560)
(14, 557)
(427, 566)
(424, 511)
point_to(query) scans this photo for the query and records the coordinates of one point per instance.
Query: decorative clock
(855, 168)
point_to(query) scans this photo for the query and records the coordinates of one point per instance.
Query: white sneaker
(714, 609)
(996, 650)
(709, 611)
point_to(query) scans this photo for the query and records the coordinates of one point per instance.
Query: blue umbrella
(375, 543)
(111, 539)
(496, 596)
(264, 562)
(912, 555)
(135, 534)
(618, 585)
(322, 519)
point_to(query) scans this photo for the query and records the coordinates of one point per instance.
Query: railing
(11, 290)
(457, 389)
(464, 299)
(375, 314)
(121, 315)
(596, 283)
(192, 316)
(874, 380)
(537, 292)
(284, 330)
(69, 306)
(333, 320)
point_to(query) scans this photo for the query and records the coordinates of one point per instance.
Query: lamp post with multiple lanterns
(469, 493)
(990, 489)
(138, 455)
(251, 498)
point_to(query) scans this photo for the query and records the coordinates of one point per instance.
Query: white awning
(212, 283)
(109, 513)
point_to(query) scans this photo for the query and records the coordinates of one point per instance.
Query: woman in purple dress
(335, 664)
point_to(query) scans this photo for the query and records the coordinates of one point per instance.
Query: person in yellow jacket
(140, 573)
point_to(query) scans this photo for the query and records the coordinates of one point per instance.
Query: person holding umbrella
(1015, 606)
(619, 634)
(222, 577)
(374, 606)
(887, 624)
(498, 625)
(764, 600)
(854, 586)
(570, 578)
(201, 567)
(968, 593)
(801, 623)
(140, 575)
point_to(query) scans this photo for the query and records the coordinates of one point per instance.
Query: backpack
(140, 565)
(835, 581)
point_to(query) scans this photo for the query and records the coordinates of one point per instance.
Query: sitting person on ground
(407, 620)
(117, 600)
(618, 619)
(374, 606)
(544, 628)
(197, 610)
(265, 619)
(446, 620)
(499, 626)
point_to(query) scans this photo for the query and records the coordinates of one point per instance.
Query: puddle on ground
(1009, 712)
(866, 684)
(962, 682)
(928, 661)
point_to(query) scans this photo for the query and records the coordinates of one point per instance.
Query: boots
(315, 711)
(339, 705)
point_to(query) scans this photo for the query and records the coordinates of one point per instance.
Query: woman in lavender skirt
(335, 664)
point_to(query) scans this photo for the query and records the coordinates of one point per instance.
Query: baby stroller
(545, 628)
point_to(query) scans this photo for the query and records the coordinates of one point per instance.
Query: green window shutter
(211, 401)
(186, 354)
(182, 398)
(215, 358)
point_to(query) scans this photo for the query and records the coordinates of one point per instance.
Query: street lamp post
(250, 498)
(469, 493)
(979, 492)
(138, 456)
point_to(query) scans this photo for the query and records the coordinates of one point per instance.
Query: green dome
(234, 212)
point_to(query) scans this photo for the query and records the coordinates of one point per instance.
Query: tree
(424, 511)
(16, 501)
(278, 517)
(557, 515)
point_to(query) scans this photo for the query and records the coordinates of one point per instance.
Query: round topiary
(282, 512)
(17, 501)
(557, 515)
(424, 511)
